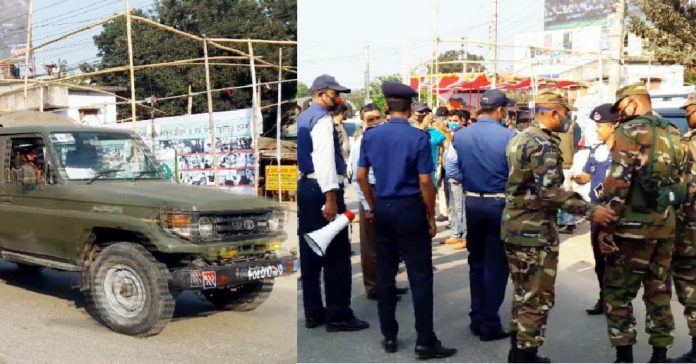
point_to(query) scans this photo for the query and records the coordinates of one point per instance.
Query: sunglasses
(373, 118)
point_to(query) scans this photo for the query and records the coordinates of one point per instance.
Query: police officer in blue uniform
(319, 198)
(483, 164)
(403, 202)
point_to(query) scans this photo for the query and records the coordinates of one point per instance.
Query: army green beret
(633, 89)
(691, 100)
(553, 97)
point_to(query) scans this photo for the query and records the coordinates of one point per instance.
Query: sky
(333, 34)
(53, 18)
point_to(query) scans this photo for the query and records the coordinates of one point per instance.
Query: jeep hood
(164, 195)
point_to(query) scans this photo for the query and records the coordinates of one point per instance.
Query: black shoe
(624, 354)
(441, 218)
(401, 290)
(312, 323)
(352, 324)
(689, 357)
(597, 309)
(659, 355)
(389, 344)
(502, 334)
(435, 351)
(475, 330)
(527, 356)
(566, 229)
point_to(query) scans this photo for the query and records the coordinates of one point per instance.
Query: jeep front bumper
(232, 274)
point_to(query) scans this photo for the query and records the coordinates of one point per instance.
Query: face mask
(453, 125)
(335, 101)
(565, 124)
(625, 115)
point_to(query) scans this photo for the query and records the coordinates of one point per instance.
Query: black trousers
(600, 266)
(402, 230)
(488, 265)
(335, 264)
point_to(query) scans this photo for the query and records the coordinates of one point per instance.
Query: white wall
(104, 103)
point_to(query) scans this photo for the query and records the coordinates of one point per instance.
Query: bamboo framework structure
(234, 58)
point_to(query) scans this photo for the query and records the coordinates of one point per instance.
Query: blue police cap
(396, 90)
(604, 114)
(327, 81)
(492, 99)
(421, 107)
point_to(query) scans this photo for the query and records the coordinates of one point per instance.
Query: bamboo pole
(129, 36)
(211, 121)
(278, 120)
(254, 110)
(189, 105)
(42, 83)
(27, 51)
(261, 41)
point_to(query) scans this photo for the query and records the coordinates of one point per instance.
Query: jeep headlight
(177, 223)
(206, 228)
(275, 222)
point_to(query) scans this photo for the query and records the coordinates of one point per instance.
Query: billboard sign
(565, 14)
(182, 145)
(13, 27)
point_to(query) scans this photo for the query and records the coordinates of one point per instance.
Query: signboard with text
(288, 178)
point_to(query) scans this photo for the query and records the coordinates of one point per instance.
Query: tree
(302, 90)
(376, 89)
(255, 19)
(454, 55)
(669, 27)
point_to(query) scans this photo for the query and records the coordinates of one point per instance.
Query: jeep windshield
(88, 156)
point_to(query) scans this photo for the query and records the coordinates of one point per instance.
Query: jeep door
(31, 214)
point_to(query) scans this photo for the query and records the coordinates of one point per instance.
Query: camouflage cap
(691, 100)
(553, 97)
(633, 89)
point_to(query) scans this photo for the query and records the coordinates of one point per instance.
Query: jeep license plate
(260, 272)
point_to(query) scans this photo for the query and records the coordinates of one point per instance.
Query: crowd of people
(507, 187)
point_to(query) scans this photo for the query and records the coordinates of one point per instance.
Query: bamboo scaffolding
(211, 121)
(129, 36)
(255, 111)
(261, 41)
(279, 119)
(27, 51)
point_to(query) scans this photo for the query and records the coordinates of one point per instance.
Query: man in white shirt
(320, 197)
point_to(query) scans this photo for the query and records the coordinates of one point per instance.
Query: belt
(485, 195)
(301, 175)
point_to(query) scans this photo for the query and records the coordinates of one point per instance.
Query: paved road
(572, 336)
(42, 320)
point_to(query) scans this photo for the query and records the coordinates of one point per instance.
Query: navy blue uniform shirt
(397, 153)
(481, 152)
(305, 123)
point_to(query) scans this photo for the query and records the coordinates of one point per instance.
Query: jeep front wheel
(129, 290)
(246, 297)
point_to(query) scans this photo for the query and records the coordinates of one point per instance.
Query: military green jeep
(92, 200)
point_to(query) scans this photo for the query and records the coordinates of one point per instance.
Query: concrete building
(91, 107)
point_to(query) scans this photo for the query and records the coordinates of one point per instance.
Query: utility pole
(464, 56)
(616, 41)
(435, 67)
(494, 41)
(27, 53)
(368, 99)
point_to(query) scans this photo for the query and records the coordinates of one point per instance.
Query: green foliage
(669, 27)
(690, 76)
(454, 55)
(302, 90)
(255, 19)
(376, 89)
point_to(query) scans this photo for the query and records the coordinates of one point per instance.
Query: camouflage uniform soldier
(644, 184)
(534, 195)
(684, 260)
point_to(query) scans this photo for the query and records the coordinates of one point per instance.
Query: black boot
(528, 356)
(597, 309)
(624, 354)
(689, 357)
(513, 347)
(659, 355)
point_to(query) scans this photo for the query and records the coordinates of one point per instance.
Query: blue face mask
(454, 126)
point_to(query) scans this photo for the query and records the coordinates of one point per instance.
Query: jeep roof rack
(33, 118)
